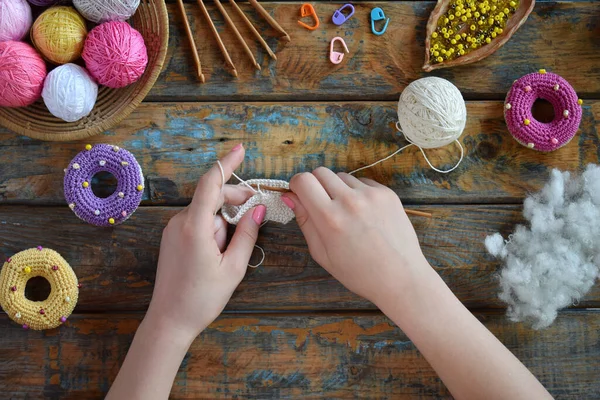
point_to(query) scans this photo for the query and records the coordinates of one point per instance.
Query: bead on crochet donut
(535, 134)
(119, 206)
(64, 292)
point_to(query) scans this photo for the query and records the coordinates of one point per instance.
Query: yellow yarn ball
(59, 34)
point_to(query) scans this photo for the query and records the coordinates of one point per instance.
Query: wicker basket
(113, 105)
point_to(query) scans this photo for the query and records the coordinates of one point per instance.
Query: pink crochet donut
(535, 134)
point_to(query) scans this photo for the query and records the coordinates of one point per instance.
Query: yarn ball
(432, 112)
(43, 3)
(115, 54)
(22, 74)
(70, 92)
(15, 19)
(59, 34)
(99, 11)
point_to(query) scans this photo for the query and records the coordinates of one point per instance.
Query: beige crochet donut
(38, 315)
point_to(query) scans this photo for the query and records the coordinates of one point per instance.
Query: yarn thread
(100, 11)
(119, 206)
(70, 92)
(59, 34)
(15, 19)
(38, 315)
(22, 74)
(115, 54)
(525, 128)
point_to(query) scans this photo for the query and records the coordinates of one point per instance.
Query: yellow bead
(457, 37)
(477, 15)
(580, 102)
(501, 15)
(111, 221)
(451, 17)
(444, 30)
(439, 59)
(506, 11)
(527, 122)
(463, 18)
(480, 22)
(542, 71)
(446, 35)
(500, 30)
(494, 34)
(436, 53)
(27, 270)
(461, 46)
(469, 15)
(513, 4)
(436, 46)
(453, 41)
(85, 184)
(139, 188)
(88, 147)
(457, 13)
(473, 27)
(491, 21)
(464, 35)
(446, 20)
(488, 40)
(434, 35)
(493, 8)
(461, 52)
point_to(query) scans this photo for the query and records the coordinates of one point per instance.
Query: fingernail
(237, 147)
(259, 214)
(288, 202)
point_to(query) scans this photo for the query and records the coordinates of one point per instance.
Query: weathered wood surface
(176, 143)
(559, 36)
(117, 266)
(287, 357)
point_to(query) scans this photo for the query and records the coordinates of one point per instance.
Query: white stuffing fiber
(553, 263)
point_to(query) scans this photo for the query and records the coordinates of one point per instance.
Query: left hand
(197, 274)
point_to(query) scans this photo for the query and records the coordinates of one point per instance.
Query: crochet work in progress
(277, 211)
(38, 315)
(535, 134)
(116, 208)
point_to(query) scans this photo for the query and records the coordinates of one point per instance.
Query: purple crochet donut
(525, 128)
(119, 206)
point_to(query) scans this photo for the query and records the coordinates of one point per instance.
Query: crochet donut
(535, 134)
(116, 208)
(38, 315)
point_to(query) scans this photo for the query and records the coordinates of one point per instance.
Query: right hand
(358, 231)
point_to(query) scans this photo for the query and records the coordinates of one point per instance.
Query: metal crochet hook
(377, 14)
(307, 10)
(335, 56)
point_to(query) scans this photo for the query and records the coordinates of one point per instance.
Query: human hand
(357, 230)
(197, 274)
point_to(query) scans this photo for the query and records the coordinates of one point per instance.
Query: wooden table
(291, 330)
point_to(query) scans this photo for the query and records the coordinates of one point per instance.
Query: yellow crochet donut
(48, 264)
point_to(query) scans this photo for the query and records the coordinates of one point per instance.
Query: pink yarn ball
(22, 74)
(115, 54)
(15, 19)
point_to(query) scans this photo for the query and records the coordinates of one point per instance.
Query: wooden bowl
(514, 23)
(113, 105)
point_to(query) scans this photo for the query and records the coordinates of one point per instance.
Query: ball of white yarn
(99, 11)
(15, 19)
(432, 112)
(70, 92)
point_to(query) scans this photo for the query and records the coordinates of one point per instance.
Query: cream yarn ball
(432, 112)
(99, 11)
(70, 92)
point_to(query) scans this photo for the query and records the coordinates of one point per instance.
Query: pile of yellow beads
(468, 25)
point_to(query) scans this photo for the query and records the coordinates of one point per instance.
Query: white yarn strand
(15, 19)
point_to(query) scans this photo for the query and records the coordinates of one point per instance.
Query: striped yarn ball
(15, 19)
(59, 34)
(99, 11)
(115, 54)
(22, 74)
(70, 92)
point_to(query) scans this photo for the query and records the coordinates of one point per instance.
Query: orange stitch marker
(307, 10)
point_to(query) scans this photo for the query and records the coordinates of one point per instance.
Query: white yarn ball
(99, 11)
(15, 19)
(432, 112)
(70, 92)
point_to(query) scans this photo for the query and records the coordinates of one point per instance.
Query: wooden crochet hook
(265, 14)
(250, 26)
(237, 34)
(283, 190)
(218, 37)
(190, 36)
